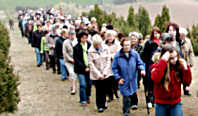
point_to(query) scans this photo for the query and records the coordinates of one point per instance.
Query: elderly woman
(134, 36)
(125, 66)
(113, 46)
(100, 70)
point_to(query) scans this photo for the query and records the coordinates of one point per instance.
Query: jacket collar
(122, 54)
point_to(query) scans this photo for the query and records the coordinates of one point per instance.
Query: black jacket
(79, 65)
(59, 47)
(36, 39)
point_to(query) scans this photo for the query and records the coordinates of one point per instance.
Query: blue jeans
(63, 69)
(85, 87)
(168, 110)
(39, 59)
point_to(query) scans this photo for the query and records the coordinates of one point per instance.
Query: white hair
(183, 31)
(133, 34)
(110, 32)
(96, 39)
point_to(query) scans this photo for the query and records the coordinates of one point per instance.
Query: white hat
(183, 31)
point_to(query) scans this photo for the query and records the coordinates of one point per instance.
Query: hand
(143, 73)
(100, 78)
(72, 62)
(184, 64)
(121, 81)
(87, 70)
(166, 56)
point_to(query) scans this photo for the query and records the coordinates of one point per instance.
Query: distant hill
(12, 4)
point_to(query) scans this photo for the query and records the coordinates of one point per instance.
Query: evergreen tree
(144, 23)
(9, 96)
(162, 20)
(131, 17)
(195, 38)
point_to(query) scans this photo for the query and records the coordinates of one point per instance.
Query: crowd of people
(77, 48)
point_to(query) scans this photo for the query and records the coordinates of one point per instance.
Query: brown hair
(155, 29)
(178, 75)
(123, 39)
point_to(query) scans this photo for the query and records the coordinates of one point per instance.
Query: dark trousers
(148, 85)
(112, 87)
(128, 101)
(46, 59)
(52, 62)
(101, 92)
(58, 65)
(134, 99)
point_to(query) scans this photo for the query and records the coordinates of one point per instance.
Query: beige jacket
(68, 50)
(99, 63)
(187, 51)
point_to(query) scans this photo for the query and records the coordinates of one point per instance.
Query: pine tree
(162, 20)
(195, 38)
(9, 95)
(144, 23)
(131, 17)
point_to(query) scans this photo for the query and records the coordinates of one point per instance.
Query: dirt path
(43, 94)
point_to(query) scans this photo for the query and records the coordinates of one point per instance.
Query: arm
(187, 76)
(108, 63)
(92, 67)
(158, 70)
(191, 54)
(77, 62)
(116, 69)
(66, 52)
(42, 45)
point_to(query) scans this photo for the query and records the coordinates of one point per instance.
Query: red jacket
(173, 96)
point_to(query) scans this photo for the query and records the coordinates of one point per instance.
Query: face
(133, 40)
(97, 45)
(65, 35)
(39, 28)
(172, 31)
(173, 58)
(127, 46)
(182, 36)
(156, 35)
(72, 36)
(110, 38)
(83, 38)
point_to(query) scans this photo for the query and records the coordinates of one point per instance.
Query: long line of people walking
(77, 48)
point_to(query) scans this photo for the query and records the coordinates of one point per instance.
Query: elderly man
(187, 53)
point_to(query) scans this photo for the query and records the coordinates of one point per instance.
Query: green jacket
(44, 46)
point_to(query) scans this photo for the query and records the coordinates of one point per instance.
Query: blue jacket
(127, 68)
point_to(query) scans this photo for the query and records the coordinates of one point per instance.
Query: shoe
(58, 73)
(109, 100)
(39, 65)
(88, 101)
(73, 92)
(134, 107)
(149, 105)
(105, 107)
(63, 79)
(100, 110)
(83, 104)
(117, 96)
(187, 93)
